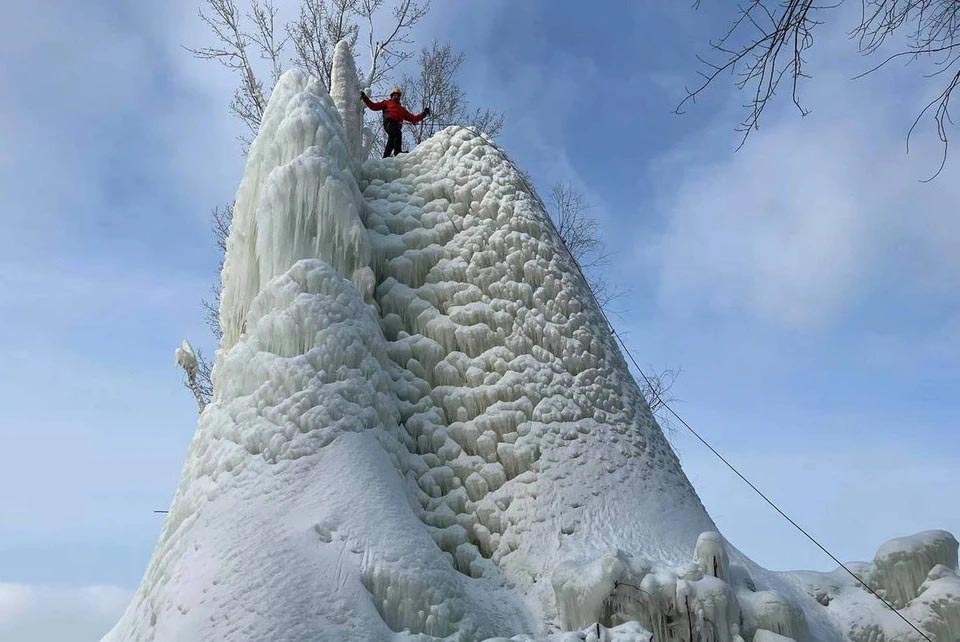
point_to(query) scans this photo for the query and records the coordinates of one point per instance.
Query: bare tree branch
(487, 121)
(263, 15)
(577, 228)
(224, 20)
(931, 29)
(580, 232)
(656, 389)
(436, 86)
(197, 374)
(317, 30)
(767, 41)
(774, 45)
(389, 52)
(220, 219)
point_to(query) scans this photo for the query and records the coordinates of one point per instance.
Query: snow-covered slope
(422, 429)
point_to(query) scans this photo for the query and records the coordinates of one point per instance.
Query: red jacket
(395, 111)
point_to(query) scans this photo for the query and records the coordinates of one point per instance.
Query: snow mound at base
(422, 429)
(901, 565)
(916, 574)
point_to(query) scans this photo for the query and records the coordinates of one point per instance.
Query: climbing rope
(613, 331)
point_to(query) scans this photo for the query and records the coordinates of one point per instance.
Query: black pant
(394, 131)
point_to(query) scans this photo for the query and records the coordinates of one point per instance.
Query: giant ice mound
(422, 430)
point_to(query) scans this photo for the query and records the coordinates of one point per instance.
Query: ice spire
(344, 89)
(299, 199)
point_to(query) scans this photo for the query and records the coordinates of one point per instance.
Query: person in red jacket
(393, 116)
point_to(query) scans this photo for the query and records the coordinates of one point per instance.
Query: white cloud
(777, 231)
(812, 214)
(125, 95)
(43, 614)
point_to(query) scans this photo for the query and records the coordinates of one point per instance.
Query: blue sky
(806, 285)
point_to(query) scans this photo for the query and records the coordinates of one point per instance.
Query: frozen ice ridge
(422, 430)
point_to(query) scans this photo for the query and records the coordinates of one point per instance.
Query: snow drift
(421, 429)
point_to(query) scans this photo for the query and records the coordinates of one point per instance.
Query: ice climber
(394, 114)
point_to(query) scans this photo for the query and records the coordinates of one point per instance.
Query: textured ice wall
(532, 415)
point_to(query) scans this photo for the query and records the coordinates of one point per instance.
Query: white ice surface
(421, 429)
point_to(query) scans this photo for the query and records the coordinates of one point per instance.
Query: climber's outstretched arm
(372, 105)
(416, 118)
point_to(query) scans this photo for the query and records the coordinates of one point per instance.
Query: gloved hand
(426, 110)
(362, 95)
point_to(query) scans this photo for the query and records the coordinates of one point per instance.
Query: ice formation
(917, 574)
(711, 555)
(345, 90)
(901, 565)
(186, 357)
(421, 429)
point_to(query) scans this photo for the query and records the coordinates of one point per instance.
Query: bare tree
(656, 386)
(323, 23)
(264, 17)
(580, 232)
(317, 30)
(220, 219)
(768, 39)
(246, 41)
(436, 86)
(237, 42)
(387, 53)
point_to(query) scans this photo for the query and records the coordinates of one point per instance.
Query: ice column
(711, 555)
(299, 199)
(345, 89)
